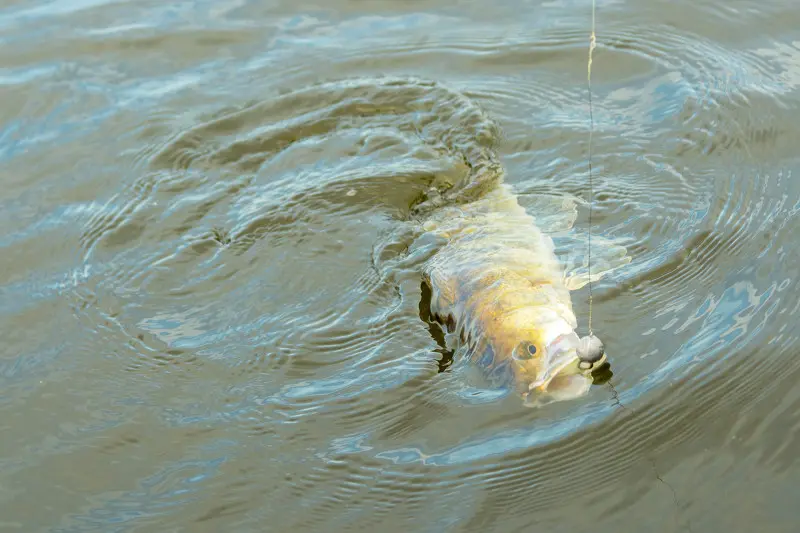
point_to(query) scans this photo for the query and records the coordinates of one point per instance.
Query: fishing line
(592, 45)
(652, 462)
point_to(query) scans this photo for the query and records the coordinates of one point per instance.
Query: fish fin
(606, 261)
(443, 292)
(577, 281)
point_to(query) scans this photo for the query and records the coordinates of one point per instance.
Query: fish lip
(553, 371)
(561, 353)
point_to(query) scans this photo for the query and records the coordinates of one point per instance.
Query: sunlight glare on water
(210, 275)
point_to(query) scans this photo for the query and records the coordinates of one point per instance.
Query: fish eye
(526, 351)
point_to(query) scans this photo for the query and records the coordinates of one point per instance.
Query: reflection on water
(210, 297)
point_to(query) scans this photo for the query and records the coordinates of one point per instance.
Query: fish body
(496, 283)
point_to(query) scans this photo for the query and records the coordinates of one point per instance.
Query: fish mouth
(565, 365)
(561, 360)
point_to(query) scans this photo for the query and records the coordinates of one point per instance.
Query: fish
(497, 286)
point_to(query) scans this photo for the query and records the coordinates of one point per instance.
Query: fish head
(548, 356)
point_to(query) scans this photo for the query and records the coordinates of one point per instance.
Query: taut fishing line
(592, 45)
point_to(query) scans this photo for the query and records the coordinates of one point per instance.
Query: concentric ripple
(211, 301)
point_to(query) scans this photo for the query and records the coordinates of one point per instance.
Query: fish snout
(558, 356)
(569, 360)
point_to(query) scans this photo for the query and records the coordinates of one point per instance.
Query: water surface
(210, 302)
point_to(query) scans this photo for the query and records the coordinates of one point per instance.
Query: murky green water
(210, 301)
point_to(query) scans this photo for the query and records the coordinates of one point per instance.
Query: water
(210, 307)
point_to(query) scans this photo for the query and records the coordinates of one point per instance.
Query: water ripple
(210, 293)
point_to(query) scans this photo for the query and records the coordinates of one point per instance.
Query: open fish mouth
(564, 370)
(561, 387)
(560, 354)
(567, 364)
